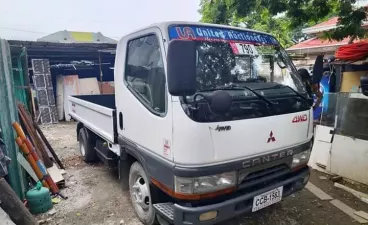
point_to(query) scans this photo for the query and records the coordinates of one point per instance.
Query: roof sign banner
(207, 33)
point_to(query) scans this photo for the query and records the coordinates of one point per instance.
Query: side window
(145, 74)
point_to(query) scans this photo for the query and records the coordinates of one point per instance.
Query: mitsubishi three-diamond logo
(271, 138)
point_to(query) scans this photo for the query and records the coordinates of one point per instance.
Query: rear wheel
(86, 145)
(140, 195)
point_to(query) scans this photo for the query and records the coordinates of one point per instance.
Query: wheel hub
(140, 193)
(83, 151)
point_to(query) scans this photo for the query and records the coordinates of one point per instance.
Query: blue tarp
(324, 88)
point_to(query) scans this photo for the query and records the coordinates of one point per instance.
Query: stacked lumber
(38, 167)
(36, 136)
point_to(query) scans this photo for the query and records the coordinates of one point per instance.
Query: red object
(46, 177)
(300, 118)
(330, 22)
(353, 52)
(37, 165)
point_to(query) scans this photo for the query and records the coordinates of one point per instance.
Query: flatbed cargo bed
(96, 112)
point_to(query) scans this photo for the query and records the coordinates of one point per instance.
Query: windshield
(251, 67)
(237, 57)
(221, 63)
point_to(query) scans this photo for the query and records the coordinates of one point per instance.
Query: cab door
(144, 115)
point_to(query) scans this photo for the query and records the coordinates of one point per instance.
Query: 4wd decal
(300, 118)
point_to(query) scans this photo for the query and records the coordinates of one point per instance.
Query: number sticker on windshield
(243, 49)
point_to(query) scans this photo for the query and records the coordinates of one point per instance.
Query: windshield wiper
(278, 86)
(226, 87)
(238, 87)
(269, 102)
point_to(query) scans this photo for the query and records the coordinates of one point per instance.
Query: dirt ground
(95, 197)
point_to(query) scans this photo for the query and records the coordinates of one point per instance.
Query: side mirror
(181, 68)
(364, 85)
(310, 101)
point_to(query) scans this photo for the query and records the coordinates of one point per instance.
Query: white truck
(207, 122)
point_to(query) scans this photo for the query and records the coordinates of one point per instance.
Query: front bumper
(178, 214)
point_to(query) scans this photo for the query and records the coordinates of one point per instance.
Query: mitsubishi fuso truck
(207, 122)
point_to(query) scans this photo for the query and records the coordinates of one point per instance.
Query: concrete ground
(95, 197)
(4, 218)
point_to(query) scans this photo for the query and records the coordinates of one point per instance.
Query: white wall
(345, 156)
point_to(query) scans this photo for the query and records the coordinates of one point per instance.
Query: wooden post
(101, 74)
(44, 139)
(11, 204)
(28, 124)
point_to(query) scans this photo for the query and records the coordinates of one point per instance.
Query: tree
(262, 20)
(285, 18)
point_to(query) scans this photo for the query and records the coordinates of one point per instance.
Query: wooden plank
(348, 211)
(351, 81)
(11, 204)
(40, 148)
(362, 214)
(46, 142)
(60, 96)
(71, 87)
(317, 192)
(55, 174)
(362, 196)
(89, 86)
(25, 164)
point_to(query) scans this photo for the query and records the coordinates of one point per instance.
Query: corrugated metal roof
(329, 22)
(317, 43)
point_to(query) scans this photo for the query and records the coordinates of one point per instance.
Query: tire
(124, 174)
(86, 145)
(140, 195)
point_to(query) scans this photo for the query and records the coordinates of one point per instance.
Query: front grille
(262, 176)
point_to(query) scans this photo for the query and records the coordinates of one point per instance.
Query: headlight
(205, 184)
(301, 158)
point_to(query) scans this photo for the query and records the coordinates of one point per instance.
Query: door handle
(120, 121)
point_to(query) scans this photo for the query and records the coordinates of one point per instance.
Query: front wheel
(140, 195)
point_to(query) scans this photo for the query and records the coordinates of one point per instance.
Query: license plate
(266, 199)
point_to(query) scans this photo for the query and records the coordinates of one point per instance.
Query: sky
(32, 19)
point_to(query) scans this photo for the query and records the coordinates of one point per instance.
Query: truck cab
(207, 122)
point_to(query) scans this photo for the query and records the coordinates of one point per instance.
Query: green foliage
(263, 21)
(286, 18)
(214, 12)
(350, 22)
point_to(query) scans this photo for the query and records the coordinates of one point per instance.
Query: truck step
(109, 158)
(166, 210)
